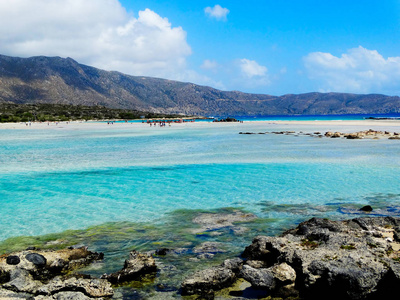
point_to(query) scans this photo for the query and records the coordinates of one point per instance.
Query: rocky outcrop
(138, 264)
(36, 274)
(354, 259)
(366, 134)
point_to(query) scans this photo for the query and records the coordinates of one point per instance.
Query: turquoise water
(73, 178)
(130, 186)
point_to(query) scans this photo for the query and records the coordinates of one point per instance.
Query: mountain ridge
(57, 80)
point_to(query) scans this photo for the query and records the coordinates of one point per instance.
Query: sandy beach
(367, 124)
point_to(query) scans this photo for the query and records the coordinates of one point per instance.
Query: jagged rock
(138, 264)
(35, 272)
(10, 295)
(94, 288)
(22, 281)
(259, 278)
(346, 259)
(207, 281)
(262, 249)
(283, 274)
(70, 296)
(353, 259)
(279, 279)
(49, 262)
(256, 264)
(234, 264)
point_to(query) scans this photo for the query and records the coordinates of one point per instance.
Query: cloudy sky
(260, 46)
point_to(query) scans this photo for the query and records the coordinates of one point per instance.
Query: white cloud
(252, 74)
(250, 68)
(95, 32)
(209, 65)
(218, 12)
(359, 70)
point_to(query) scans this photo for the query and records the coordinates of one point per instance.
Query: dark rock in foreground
(355, 259)
(138, 264)
(35, 274)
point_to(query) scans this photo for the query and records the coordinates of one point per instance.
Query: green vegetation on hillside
(10, 112)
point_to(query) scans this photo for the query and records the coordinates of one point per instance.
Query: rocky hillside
(64, 81)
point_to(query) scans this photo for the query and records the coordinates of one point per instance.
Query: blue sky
(271, 47)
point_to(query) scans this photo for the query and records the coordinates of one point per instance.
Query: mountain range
(56, 80)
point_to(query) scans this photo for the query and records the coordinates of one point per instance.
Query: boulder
(13, 260)
(278, 280)
(207, 281)
(137, 265)
(259, 278)
(366, 208)
(37, 259)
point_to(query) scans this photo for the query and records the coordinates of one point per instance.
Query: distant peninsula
(63, 81)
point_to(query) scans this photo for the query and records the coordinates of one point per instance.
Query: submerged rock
(218, 221)
(209, 248)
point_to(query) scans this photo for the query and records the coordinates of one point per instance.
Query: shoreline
(98, 124)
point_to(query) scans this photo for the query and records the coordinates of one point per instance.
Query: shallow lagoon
(130, 186)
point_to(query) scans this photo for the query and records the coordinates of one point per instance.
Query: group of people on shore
(163, 123)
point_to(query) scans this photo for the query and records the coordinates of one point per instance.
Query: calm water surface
(127, 186)
(69, 178)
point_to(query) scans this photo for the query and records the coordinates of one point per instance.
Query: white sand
(389, 124)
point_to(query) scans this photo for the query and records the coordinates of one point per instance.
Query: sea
(120, 186)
